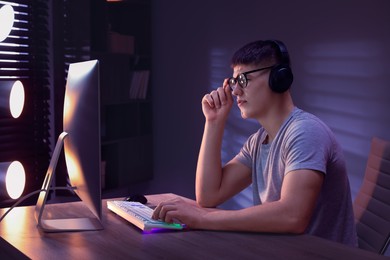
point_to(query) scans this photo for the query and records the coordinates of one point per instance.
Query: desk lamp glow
(7, 17)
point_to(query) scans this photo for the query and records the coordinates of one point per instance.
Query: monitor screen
(81, 142)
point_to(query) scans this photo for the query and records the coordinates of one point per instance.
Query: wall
(339, 51)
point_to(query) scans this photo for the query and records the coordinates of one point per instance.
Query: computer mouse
(137, 198)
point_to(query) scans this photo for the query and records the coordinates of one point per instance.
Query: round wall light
(12, 179)
(7, 17)
(12, 98)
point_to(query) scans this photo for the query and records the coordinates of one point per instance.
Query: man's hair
(256, 53)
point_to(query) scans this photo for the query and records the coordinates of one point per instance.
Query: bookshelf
(124, 52)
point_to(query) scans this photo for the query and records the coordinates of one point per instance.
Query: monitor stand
(60, 225)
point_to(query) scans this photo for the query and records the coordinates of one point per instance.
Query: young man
(293, 162)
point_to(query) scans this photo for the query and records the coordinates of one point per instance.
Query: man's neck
(276, 116)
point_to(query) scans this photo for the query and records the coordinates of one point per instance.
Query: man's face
(253, 99)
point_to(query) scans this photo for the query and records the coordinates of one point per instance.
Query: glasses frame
(239, 76)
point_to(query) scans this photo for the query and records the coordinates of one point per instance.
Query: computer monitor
(81, 142)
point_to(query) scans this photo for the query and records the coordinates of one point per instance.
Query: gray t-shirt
(304, 142)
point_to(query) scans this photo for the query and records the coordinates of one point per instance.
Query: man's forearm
(209, 168)
(272, 217)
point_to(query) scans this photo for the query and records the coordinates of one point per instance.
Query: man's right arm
(215, 184)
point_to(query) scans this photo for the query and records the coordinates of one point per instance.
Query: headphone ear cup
(280, 78)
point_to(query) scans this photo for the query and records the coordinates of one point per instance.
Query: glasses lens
(242, 80)
(232, 82)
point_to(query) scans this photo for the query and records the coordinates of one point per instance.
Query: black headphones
(281, 76)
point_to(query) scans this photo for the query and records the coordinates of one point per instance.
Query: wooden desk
(120, 240)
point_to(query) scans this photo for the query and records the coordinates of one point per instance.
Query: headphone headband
(282, 50)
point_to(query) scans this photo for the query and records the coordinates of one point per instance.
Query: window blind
(24, 56)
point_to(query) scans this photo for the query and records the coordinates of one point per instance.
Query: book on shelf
(120, 43)
(139, 84)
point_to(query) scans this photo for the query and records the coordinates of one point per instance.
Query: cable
(20, 200)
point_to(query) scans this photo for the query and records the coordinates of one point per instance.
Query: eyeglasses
(241, 78)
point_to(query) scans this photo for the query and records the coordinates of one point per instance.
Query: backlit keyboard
(139, 215)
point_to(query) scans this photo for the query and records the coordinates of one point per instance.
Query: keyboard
(139, 215)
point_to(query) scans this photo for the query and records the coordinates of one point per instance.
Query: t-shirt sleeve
(307, 147)
(247, 152)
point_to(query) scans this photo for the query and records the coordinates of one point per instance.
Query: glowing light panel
(15, 180)
(7, 17)
(16, 100)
